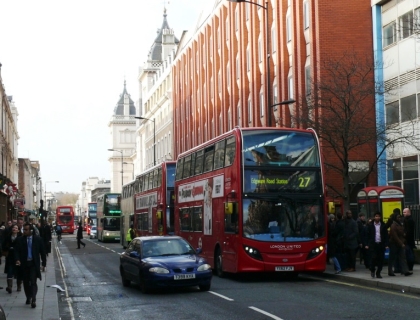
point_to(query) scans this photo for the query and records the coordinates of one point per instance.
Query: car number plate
(184, 276)
(285, 268)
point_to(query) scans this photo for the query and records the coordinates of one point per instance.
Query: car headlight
(204, 267)
(158, 270)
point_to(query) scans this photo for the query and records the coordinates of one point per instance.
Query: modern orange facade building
(220, 72)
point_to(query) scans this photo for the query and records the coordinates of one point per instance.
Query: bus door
(383, 199)
(230, 235)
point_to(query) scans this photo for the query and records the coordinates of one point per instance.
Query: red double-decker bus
(253, 200)
(65, 218)
(154, 201)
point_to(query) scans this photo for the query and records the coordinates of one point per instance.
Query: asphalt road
(91, 277)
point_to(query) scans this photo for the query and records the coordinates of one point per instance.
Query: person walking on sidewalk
(351, 240)
(376, 242)
(332, 246)
(397, 247)
(409, 227)
(29, 253)
(80, 236)
(9, 244)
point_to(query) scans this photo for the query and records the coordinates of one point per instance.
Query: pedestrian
(46, 236)
(397, 247)
(29, 253)
(9, 244)
(351, 241)
(2, 235)
(130, 235)
(58, 231)
(338, 235)
(332, 246)
(80, 236)
(363, 236)
(361, 223)
(376, 240)
(409, 227)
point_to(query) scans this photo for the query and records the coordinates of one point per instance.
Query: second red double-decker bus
(253, 200)
(65, 218)
(154, 200)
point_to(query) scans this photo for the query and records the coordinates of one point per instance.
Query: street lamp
(132, 165)
(267, 44)
(288, 101)
(46, 203)
(122, 169)
(154, 137)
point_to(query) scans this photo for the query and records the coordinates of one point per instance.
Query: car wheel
(143, 288)
(219, 264)
(204, 287)
(125, 282)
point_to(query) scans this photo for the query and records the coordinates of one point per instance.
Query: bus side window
(197, 219)
(230, 151)
(219, 155)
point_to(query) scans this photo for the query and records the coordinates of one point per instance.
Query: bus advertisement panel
(108, 217)
(65, 218)
(154, 201)
(253, 201)
(92, 213)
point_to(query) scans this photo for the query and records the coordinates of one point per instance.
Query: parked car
(93, 233)
(164, 261)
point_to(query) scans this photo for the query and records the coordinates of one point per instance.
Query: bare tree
(341, 108)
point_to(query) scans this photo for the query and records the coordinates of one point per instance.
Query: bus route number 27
(304, 182)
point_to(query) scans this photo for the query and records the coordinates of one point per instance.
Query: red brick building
(220, 72)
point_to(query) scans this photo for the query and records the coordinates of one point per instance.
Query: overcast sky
(64, 63)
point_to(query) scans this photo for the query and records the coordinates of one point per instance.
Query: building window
(275, 96)
(227, 29)
(247, 59)
(237, 69)
(308, 82)
(390, 34)
(262, 105)
(239, 114)
(392, 113)
(259, 51)
(291, 91)
(408, 108)
(237, 19)
(288, 28)
(228, 75)
(249, 111)
(406, 25)
(273, 40)
(305, 14)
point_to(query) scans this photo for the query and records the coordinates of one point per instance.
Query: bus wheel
(219, 264)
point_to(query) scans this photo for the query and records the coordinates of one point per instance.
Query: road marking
(64, 272)
(265, 313)
(406, 295)
(221, 296)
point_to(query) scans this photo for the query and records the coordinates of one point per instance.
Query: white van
(93, 233)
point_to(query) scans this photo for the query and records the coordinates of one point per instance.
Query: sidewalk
(361, 276)
(46, 300)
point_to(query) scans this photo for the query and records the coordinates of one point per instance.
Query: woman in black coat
(9, 244)
(80, 236)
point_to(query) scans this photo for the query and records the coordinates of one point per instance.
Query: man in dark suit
(29, 252)
(377, 242)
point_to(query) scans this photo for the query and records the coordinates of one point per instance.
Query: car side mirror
(134, 254)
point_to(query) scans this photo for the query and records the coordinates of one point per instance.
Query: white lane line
(265, 313)
(63, 274)
(221, 296)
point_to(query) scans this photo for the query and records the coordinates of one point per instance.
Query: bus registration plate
(184, 276)
(285, 268)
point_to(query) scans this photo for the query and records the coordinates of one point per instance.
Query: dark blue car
(164, 261)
